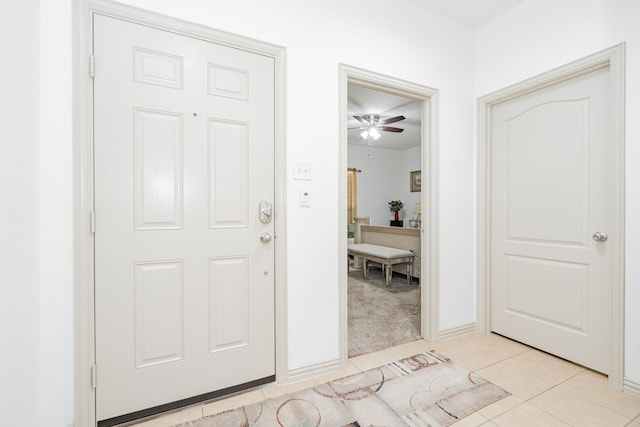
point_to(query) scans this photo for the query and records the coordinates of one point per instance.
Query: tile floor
(545, 391)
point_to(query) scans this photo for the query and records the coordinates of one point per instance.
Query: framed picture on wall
(415, 181)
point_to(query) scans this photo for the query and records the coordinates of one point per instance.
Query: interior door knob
(265, 237)
(600, 236)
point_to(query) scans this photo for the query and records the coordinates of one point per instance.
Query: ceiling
(471, 13)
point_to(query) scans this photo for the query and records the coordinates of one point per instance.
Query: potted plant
(395, 206)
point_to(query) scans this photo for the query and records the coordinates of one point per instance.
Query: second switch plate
(305, 197)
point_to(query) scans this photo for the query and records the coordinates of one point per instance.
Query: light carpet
(381, 316)
(423, 390)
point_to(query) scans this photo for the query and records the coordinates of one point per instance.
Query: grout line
(385, 354)
(529, 400)
(590, 399)
(578, 395)
(553, 386)
(541, 409)
(636, 419)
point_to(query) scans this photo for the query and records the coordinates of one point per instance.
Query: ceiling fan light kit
(373, 132)
(372, 125)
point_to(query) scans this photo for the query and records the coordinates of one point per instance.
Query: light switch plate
(302, 170)
(305, 197)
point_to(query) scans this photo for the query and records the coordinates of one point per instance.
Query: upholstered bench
(383, 255)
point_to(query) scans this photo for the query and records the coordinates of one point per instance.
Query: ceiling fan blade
(361, 127)
(392, 120)
(390, 129)
(361, 120)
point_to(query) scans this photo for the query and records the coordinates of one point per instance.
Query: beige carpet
(379, 316)
(423, 390)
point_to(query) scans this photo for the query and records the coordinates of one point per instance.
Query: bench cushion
(378, 251)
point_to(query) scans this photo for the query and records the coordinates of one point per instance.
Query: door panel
(157, 142)
(228, 174)
(550, 192)
(228, 303)
(184, 153)
(158, 307)
(540, 206)
(531, 281)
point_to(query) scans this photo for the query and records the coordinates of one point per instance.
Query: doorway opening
(367, 165)
(383, 206)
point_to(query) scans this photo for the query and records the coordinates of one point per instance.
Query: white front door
(551, 192)
(184, 155)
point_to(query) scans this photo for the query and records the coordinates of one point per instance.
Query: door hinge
(92, 66)
(94, 376)
(92, 222)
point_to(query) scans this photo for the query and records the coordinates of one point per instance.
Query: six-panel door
(184, 140)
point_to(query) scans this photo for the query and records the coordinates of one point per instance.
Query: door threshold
(179, 404)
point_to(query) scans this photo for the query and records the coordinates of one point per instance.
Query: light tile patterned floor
(546, 391)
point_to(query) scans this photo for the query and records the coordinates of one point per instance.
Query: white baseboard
(333, 365)
(456, 332)
(631, 388)
(315, 370)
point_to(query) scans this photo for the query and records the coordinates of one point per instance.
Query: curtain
(352, 194)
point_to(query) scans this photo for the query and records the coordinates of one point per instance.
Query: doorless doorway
(429, 230)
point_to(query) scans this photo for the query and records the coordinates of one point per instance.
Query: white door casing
(551, 174)
(430, 195)
(184, 153)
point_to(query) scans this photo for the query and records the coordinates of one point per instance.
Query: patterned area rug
(423, 390)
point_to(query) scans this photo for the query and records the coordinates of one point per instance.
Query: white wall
(384, 177)
(427, 50)
(539, 35)
(35, 156)
(36, 299)
(19, 257)
(56, 376)
(318, 36)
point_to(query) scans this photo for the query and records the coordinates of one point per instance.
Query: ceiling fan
(372, 125)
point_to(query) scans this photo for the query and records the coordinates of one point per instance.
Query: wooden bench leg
(388, 268)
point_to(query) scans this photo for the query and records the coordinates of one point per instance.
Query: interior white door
(551, 186)
(184, 154)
